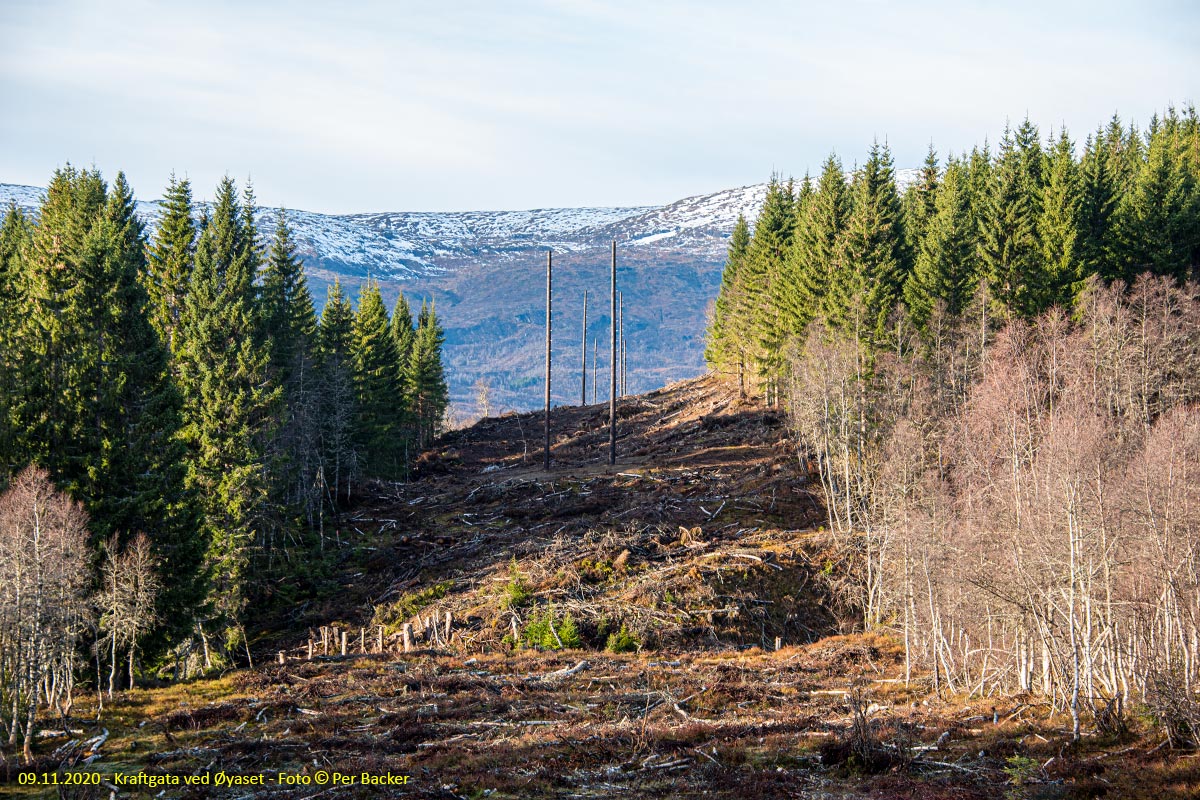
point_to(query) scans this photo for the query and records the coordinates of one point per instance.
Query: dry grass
(702, 543)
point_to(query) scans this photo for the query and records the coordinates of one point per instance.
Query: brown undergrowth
(695, 554)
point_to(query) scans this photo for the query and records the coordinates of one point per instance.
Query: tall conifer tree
(14, 233)
(919, 203)
(816, 253)
(1098, 195)
(427, 377)
(1156, 218)
(1010, 248)
(228, 400)
(290, 326)
(170, 259)
(338, 398)
(377, 383)
(1058, 226)
(947, 268)
(759, 303)
(724, 351)
(874, 267)
(403, 332)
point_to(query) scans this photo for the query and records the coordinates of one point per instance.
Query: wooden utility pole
(612, 392)
(549, 331)
(621, 343)
(624, 370)
(583, 351)
(595, 371)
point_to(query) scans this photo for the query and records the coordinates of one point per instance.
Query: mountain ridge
(484, 270)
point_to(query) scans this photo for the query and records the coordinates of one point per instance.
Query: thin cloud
(535, 104)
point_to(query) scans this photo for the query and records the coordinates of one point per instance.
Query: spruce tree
(1123, 152)
(919, 203)
(1058, 226)
(759, 303)
(403, 332)
(14, 233)
(723, 351)
(1156, 217)
(289, 321)
(815, 254)
(873, 267)
(337, 396)
(228, 399)
(141, 487)
(979, 181)
(947, 268)
(427, 380)
(378, 427)
(1098, 195)
(290, 325)
(1010, 249)
(170, 259)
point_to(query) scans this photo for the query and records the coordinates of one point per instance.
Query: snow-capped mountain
(400, 245)
(483, 269)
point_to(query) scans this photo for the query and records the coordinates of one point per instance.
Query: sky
(406, 106)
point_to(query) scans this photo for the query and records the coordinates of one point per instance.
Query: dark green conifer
(1096, 245)
(1010, 250)
(1058, 226)
(873, 269)
(947, 267)
(287, 308)
(170, 259)
(815, 254)
(427, 379)
(403, 332)
(228, 399)
(337, 396)
(724, 349)
(378, 427)
(14, 233)
(760, 302)
(919, 202)
(290, 325)
(1156, 218)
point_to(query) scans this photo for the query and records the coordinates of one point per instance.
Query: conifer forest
(641, 449)
(179, 433)
(995, 378)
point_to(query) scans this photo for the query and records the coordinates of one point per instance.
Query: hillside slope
(605, 541)
(699, 543)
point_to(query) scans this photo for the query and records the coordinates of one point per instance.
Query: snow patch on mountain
(403, 245)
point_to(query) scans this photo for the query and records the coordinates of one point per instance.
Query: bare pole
(595, 370)
(612, 393)
(621, 343)
(624, 368)
(549, 330)
(583, 351)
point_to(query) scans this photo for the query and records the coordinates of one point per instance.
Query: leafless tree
(43, 608)
(1024, 509)
(127, 602)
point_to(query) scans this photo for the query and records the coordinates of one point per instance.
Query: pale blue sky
(506, 105)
